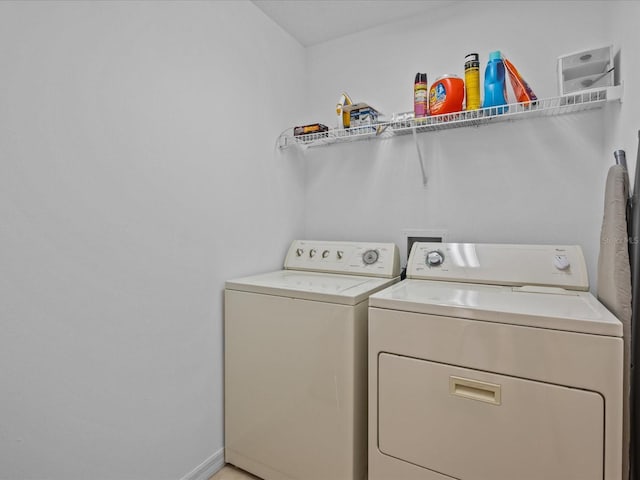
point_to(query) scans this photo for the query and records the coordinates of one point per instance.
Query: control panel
(353, 258)
(500, 264)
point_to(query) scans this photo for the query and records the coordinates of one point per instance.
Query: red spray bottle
(420, 95)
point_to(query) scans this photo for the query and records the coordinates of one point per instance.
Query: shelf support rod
(420, 158)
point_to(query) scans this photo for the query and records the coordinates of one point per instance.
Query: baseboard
(207, 468)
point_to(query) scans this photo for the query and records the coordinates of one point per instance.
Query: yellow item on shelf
(343, 118)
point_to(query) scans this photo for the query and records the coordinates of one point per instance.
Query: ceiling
(316, 21)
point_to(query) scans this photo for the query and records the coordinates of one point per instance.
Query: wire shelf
(404, 123)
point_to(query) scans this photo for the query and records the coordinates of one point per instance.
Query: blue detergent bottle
(495, 87)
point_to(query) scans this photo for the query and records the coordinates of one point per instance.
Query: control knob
(325, 254)
(312, 253)
(299, 252)
(370, 257)
(561, 262)
(435, 258)
(339, 254)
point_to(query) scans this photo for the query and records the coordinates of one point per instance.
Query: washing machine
(296, 361)
(494, 362)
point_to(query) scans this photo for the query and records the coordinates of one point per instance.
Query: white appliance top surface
(326, 287)
(542, 307)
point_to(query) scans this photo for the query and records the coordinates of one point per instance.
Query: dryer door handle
(475, 390)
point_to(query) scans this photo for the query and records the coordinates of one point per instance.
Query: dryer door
(475, 425)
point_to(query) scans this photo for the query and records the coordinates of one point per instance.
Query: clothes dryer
(494, 362)
(296, 361)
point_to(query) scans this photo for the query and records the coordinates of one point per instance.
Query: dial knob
(299, 252)
(561, 262)
(339, 254)
(435, 258)
(312, 253)
(325, 254)
(370, 257)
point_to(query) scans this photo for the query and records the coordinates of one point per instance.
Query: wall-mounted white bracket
(423, 168)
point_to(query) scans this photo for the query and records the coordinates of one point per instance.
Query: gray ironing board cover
(614, 277)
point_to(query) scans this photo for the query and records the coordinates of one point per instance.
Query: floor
(229, 472)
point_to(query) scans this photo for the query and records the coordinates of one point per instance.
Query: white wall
(623, 124)
(137, 170)
(537, 181)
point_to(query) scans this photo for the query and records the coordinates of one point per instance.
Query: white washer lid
(542, 307)
(323, 287)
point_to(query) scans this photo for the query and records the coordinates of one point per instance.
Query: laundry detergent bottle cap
(495, 87)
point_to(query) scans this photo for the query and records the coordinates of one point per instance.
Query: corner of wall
(208, 468)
